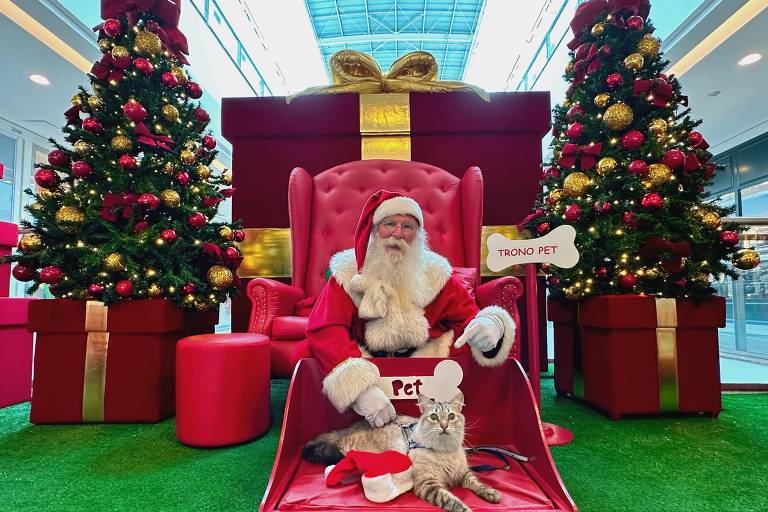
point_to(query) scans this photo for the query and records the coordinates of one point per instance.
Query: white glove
(374, 406)
(482, 333)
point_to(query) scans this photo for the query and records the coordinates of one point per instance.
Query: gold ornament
(104, 44)
(154, 291)
(170, 112)
(575, 184)
(181, 77)
(226, 178)
(30, 243)
(201, 305)
(147, 43)
(651, 274)
(170, 198)
(658, 126)
(219, 277)
(35, 206)
(187, 156)
(95, 102)
(114, 262)
(77, 101)
(569, 68)
(150, 273)
(597, 30)
(203, 172)
(191, 145)
(69, 218)
(46, 193)
(81, 147)
(618, 116)
(602, 99)
(120, 52)
(702, 277)
(168, 168)
(121, 143)
(659, 174)
(648, 46)
(634, 62)
(606, 165)
(225, 232)
(746, 259)
(711, 220)
(555, 195)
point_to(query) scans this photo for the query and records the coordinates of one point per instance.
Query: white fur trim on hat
(507, 338)
(384, 488)
(398, 206)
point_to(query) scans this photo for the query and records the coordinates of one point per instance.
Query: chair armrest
(269, 299)
(503, 292)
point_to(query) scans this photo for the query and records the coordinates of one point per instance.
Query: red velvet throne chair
(324, 211)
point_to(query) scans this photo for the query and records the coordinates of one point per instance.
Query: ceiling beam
(411, 36)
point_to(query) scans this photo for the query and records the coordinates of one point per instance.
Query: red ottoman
(15, 351)
(222, 388)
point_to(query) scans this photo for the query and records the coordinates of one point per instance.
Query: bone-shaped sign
(557, 248)
(442, 386)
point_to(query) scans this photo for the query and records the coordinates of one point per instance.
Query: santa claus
(391, 296)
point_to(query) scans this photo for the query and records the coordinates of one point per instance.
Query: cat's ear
(425, 402)
(458, 401)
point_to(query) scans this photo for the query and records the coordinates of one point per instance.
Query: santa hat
(385, 476)
(381, 204)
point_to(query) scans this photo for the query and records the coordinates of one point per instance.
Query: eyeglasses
(406, 227)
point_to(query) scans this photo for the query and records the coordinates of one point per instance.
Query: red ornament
(572, 212)
(606, 50)
(554, 280)
(694, 139)
(652, 201)
(542, 228)
(201, 115)
(169, 80)
(169, 236)
(602, 207)
(152, 26)
(574, 111)
(189, 288)
(140, 226)
(47, 178)
(127, 162)
(183, 178)
(601, 272)
(124, 288)
(628, 280)
(673, 158)
(575, 130)
(112, 27)
(552, 172)
(91, 124)
(135, 111)
(681, 282)
(148, 202)
(58, 157)
(197, 220)
(635, 22)
(729, 237)
(23, 272)
(51, 275)
(209, 142)
(195, 91)
(638, 167)
(632, 140)
(614, 80)
(631, 220)
(239, 235)
(95, 289)
(144, 66)
(81, 169)
(232, 253)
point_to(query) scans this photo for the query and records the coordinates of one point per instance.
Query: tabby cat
(433, 442)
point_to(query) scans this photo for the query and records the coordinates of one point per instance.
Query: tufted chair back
(324, 211)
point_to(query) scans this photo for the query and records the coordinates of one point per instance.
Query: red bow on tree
(114, 204)
(528, 218)
(587, 154)
(709, 171)
(168, 11)
(692, 162)
(655, 246)
(658, 88)
(110, 68)
(150, 139)
(589, 12)
(216, 255)
(621, 8)
(587, 65)
(73, 115)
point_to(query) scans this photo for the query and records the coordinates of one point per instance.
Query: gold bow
(354, 71)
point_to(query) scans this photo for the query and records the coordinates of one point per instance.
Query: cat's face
(441, 425)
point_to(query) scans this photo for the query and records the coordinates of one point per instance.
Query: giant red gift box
(15, 352)
(9, 235)
(139, 370)
(628, 354)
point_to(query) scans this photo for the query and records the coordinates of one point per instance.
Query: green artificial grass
(680, 464)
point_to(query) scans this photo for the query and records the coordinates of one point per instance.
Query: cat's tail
(323, 450)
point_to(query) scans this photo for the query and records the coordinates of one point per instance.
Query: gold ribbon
(95, 361)
(666, 347)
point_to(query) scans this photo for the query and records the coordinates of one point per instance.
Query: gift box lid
(157, 316)
(639, 311)
(9, 234)
(339, 114)
(14, 311)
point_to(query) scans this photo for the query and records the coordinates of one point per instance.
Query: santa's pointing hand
(482, 333)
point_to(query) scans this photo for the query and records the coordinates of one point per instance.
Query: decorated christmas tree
(629, 169)
(126, 211)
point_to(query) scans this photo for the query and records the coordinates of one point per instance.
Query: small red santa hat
(385, 476)
(381, 204)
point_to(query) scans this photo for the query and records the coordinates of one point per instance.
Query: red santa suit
(358, 316)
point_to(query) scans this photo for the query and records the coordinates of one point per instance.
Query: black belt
(499, 453)
(404, 352)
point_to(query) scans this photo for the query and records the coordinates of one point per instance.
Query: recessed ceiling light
(749, 59)
(39, 79)
(713, 93)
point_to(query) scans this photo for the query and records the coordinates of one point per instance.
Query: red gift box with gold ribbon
(97, 363)
(633, 354)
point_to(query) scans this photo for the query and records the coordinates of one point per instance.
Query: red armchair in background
(324, 211)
